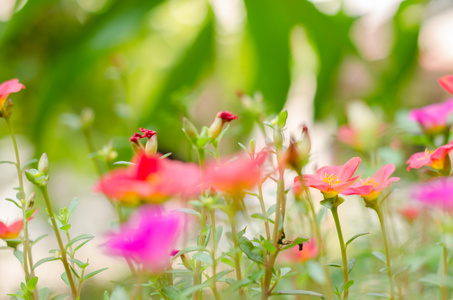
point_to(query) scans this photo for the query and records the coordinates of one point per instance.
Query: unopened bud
(189, 129)
(87, 117)
(7, 110)
(278, 137)
(31, 200)
(151, 145)
(252, 147)
(43, 165)
(216, 127)
(57, 254)
(186, 262)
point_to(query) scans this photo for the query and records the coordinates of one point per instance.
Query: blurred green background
(148, 63)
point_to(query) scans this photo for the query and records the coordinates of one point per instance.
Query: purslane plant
(215, 197)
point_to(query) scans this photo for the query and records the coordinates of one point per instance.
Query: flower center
(426, 156)
(369, 181)
(331, 179)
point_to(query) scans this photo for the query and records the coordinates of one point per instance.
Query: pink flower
(359, 139)
(235, 175)
(437, 159)
(433, 118)
(446, 83)
(8, 87)
(437, 192)
(332, 180)
(11, 231)
(147, 238)
(309, 251)
(370, 188)
(151, 179)
(410, 213)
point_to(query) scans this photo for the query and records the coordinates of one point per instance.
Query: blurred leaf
(251, 251)
(203, 257)
(269, 30)
(298, 292)
(44, 260)
(354, 237)
(184, 73)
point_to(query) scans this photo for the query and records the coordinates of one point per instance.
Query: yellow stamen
(427, 155)
(331, 179)
(369, 181)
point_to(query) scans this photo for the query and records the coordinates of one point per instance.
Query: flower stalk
(64, 258)
(377, 208)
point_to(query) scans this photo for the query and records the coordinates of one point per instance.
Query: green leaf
(43, 293)
(335, 265)
(284, 271)
(241, 233)
(30, 213)
(65, 227)
(171, 292)
(228, 262)
(7, 162)
(380, 256)
(378, 295)
(298, 292)
(123, 163)
(218, 234)
(81, 245)
(78, 238)
(282, 117)
(351, 264)
(269, 247)
(31, 284)
(89, 275)
(28, 163)
(59, 297)
(119, 293)
(188, 211)
(19, 255)
(189, 249)
(195, 288)
(271, 210)
(106, 295)
(79, 263)
(262, 217)
(296, 242)
(243, 147)
(72, 207)
(247, 247)
(38, 239)
(44, 260)
(203, 257)
(354, 237)
(349, 284)
(315, 271)
(64, 277)
(13, 201)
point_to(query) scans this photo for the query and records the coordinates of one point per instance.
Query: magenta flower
(437, 159)
(370, 188)
(332, 180)
(437, 192)
(433, 118)
(446, 83)
(148, 238)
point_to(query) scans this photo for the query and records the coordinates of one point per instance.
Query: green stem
(322, 249)
(202, 238)
(378, 210)
(263, 209)
(237, 262)
(64, 258)
(214, 263)
(92, 149)
(343, 252)
(277, 234)
(25, 204)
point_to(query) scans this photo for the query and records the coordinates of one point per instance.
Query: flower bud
(87, 117)
(151, 145)
(216, 127)
(135, 142)
(31, 200)
(189, 129)
(43, 165)
(186, 262)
